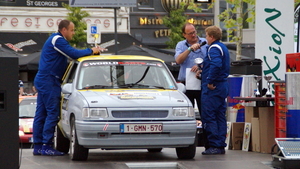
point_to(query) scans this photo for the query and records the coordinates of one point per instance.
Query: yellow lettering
(169, 32)
(156, 33)
(161, 32)
(142, 21)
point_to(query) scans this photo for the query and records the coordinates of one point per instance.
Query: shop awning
(23, 43)
(30, 62)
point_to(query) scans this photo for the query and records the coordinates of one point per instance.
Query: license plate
(141, 128)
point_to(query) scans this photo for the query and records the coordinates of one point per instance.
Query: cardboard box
(237, 132)
(255, 135)
(267, 129)
(250, 112)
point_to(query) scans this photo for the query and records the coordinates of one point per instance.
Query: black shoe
(213, 151)
(222, 150)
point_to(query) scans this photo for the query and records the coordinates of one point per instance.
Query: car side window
(72, 73)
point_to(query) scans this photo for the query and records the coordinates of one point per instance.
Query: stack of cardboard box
(262, 137)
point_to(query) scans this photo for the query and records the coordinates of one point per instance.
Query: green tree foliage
(176, 19)
(76, 15)
(234, 18)
(296, 3)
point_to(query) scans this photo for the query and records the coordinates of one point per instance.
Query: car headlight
(21, 133)
(94, 113)
(184, 111)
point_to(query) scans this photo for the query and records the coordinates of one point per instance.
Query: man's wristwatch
(190, 49)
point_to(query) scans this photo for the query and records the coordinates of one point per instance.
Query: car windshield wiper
(96, 87)
(130, 85)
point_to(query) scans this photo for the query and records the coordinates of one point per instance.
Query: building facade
(25, 25)
(146, 23)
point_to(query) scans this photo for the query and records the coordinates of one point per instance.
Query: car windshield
(27, 108)
(124, 74)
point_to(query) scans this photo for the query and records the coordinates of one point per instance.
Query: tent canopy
(30, 62)
(8, 53)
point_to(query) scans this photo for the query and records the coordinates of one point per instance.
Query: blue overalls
(52, 65)
(215, 71)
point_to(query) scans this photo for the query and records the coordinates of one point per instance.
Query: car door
(67, 78)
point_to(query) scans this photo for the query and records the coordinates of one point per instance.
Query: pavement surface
(127, 159)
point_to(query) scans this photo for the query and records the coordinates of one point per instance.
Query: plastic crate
(280, 109)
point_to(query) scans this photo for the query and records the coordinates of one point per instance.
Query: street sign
(103, 3)
(93, 34)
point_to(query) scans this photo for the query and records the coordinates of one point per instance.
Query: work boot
(37, 149)
(48, 150)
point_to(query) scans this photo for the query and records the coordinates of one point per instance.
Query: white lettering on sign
(41, 3)
(25, 43)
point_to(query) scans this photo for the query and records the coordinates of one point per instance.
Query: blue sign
(93, 29)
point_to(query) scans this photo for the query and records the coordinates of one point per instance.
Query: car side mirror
(181, 87)
(67, 88)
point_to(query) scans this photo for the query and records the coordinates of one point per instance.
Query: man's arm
(62, 46)
(182, 56)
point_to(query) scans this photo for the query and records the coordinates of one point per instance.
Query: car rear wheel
(154, 150)
(77, 152)
(187, 152)
(61, 142)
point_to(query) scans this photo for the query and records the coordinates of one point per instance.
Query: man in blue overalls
(52, 65)
(214, 91)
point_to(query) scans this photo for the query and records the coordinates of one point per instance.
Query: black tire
(187, 152)
(77, 152)
(154, 150)
(62, 143)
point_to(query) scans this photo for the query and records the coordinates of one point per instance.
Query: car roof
(118, 57)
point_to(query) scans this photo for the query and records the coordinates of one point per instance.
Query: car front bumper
(27, 138)
(108, 135)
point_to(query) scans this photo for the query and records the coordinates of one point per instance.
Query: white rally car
(124, 102)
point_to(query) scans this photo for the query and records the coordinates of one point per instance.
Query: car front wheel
(77, 152)
(187, 152)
